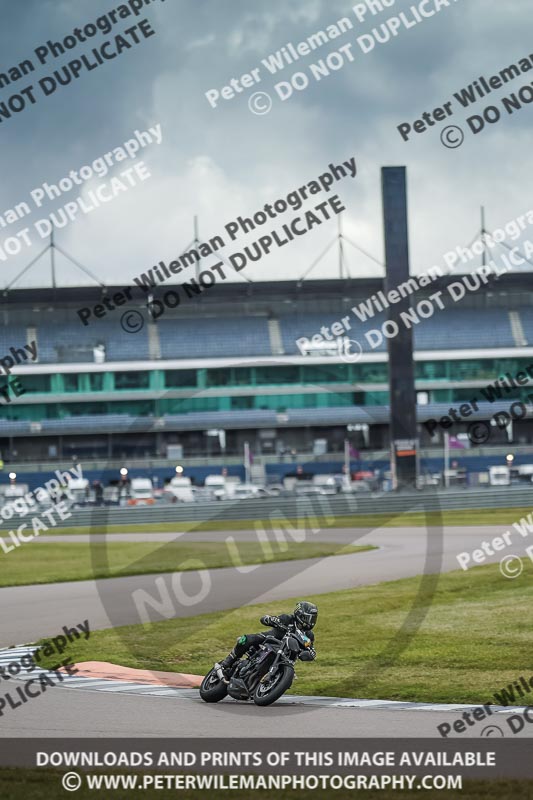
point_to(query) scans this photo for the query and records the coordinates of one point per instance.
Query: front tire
(271, 689)
(213, 689)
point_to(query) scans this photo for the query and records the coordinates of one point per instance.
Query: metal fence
(299, 507)
(219, 461)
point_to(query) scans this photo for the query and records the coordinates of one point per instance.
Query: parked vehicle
(16, 490)
(499, 476)
(78, 491)
(326, 483)
(141, 492)
(429, 479)
(182, 489)
(524, 473)
(305, 489)
(247, 491)
(276, 489)
(221, 486)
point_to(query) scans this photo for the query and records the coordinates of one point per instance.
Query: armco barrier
(330, 505)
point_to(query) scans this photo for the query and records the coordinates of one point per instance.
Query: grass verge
(480, 516)
(474, 640)
(53, 563)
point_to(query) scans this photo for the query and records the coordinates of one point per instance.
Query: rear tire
(213, 689)
(280, 682)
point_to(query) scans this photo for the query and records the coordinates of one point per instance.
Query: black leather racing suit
(277, 628)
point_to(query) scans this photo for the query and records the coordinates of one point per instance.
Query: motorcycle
(264, 675)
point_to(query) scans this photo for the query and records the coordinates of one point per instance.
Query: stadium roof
(259, 290)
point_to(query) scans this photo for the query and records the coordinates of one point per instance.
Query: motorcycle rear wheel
(213, 689)
(271, 689)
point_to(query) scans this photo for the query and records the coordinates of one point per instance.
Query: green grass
(474, 639)
(35, 784)
(482, 516)
(40, 562)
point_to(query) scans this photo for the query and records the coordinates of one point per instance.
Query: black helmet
(306, 615)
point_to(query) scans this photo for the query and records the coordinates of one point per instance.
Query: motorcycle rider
(304, 617)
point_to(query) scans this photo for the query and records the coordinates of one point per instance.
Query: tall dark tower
(403, 427)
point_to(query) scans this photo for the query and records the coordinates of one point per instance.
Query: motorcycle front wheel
(213, 689)
(271, 687)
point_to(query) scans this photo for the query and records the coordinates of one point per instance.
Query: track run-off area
(96, 707)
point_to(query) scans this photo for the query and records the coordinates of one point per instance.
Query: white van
(182, 489)
(247, 491)
(499, 476)
(141, 492)
(16, 490)
(325, 483)
(221, 487)
(525, 473)
(77, 490)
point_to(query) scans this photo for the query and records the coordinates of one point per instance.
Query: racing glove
(309, 654)
(272, 622)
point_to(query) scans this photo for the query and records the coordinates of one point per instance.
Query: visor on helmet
(307, 619)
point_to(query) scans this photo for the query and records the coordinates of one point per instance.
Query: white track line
(14, 654)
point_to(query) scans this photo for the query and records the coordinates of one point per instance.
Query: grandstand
(229, 360)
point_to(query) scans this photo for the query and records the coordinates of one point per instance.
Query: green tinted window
(132, 380)
(96, 381)
(35, 384)
(180, 378)
(219, 377)
(277, 375)
(325, 373)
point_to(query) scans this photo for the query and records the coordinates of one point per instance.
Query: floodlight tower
(403, 425)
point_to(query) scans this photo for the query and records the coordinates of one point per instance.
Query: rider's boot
(227, 663)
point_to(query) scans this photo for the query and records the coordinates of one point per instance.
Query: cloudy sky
(224, 162)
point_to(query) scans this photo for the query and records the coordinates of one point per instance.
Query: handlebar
(274, 622)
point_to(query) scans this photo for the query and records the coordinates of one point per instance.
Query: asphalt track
(31, 612)
(42, 610)
(190, 713)
(76, 713)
